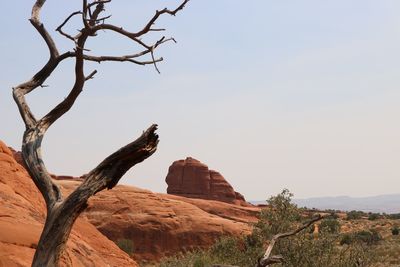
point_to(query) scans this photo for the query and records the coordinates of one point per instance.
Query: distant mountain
(382, 203)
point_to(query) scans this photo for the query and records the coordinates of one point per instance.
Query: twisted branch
(267, 259)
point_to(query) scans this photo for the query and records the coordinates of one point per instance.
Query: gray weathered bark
(62, 212)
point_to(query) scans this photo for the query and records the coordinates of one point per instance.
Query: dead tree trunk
(62, 212)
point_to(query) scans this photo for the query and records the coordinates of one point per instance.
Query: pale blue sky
(273, 94)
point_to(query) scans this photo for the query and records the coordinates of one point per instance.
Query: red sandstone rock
(17, 156)
(22, 213)
(162, 225)
(191, 178)
(159, 224)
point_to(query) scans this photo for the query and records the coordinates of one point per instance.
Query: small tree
(62, 212)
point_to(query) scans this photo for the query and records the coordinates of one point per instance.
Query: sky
(272, 94)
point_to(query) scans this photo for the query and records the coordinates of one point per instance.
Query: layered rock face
(191, 178)
(162, 225)
(22, 214)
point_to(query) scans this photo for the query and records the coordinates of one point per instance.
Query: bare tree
(62, 212)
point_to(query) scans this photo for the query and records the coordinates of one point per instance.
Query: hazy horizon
(272, 95)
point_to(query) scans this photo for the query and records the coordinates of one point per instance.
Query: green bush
(374, 216)
(354, 215)
(333, 215)
(346, 239)
(371, 237)
(330, 226)
(395, 230)
(125, 245)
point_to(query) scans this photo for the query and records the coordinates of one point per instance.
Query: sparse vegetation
(330, 226)
(394, 216)
(395, 230)
(371, 237)
(355, 215)
(374, 216)
(346, 239)
(305, 249)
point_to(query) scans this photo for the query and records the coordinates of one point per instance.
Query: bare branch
(98, 2)
(154, 61)
(80, 79)
(84, 14)
(35, 21)
(156, 30)
(147, 28)
(94, 21)
(33, 135)
(94, 16)
(31, 152)
(121, 31)
(267, 259)
(37, 7)
(59, 28)
(99, 59)
(135, 36)
(24, 110)
(40, 77)
(130, 58)
(91, 75)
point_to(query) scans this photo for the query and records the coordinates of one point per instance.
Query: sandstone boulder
(193, 179)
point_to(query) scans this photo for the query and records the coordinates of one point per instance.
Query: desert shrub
(333, 215)
(330, 226)
(371, 237)
(346, 239)
(354, 215)
(125, 245)
(394, 216)
(374, 216)
(395, 230)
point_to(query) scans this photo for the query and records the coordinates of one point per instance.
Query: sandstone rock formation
(158, 224)
(191, 178)
(162, 225)
(22, 213)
